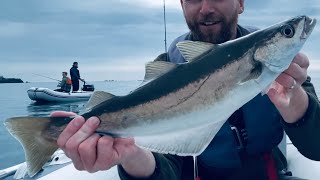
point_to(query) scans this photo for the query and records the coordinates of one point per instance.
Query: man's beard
(225, 34)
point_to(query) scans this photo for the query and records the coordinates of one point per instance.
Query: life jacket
(68, 81)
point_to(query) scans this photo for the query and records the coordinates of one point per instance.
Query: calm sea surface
(15, 102)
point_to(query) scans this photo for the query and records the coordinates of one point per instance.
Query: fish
(179, 108)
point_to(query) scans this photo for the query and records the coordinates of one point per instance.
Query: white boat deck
(301, 166)
(297, 164)
(69, 172)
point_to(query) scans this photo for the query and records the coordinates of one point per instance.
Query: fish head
(281, 42)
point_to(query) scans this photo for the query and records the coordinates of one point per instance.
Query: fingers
(106, 155)
(302, 60)
(125, 145)
(298, 68)
(287, 94)
(101, 153)
(69, 131)
(70, 140)
(88, 152)
(62, 114)
(84, 132)
(87, 149)
(112, 151)
(294, 84)
(278, 98)
(286, 81)
(296, 74)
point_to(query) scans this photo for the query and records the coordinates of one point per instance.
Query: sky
(112, 39)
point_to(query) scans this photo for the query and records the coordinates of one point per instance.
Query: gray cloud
(47, 36)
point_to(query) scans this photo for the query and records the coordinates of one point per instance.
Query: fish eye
(287, 31)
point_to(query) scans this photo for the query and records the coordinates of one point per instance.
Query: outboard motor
(88, 87)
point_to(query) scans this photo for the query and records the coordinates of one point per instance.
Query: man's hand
(287, 93)
(91, 152)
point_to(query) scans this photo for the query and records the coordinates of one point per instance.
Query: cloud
(83, 29)
(105, 7)
(264, 14)
(92, 69)
(11, 29)
(110, 36)
(173, 4)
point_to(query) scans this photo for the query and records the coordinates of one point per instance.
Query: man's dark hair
(74, 63)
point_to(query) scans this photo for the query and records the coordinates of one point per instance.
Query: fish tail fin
(37, 148)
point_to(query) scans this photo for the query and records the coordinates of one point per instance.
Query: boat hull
(45, 94)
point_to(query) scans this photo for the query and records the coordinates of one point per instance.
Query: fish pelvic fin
(37, 148)
(190, 50)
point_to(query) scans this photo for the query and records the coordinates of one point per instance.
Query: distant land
(111, 80)
(10, 80)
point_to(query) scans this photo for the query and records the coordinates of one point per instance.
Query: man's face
(213, 21)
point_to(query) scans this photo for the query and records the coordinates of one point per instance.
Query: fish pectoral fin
(266, 80)
(190, 50)
(255, 74)
(96, 98)
(28, 131)
(155, 69)
(183, 143)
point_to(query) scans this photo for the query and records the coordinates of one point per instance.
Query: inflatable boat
(45, 94)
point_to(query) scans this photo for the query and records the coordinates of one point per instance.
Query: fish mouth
(271, 65)
(309, 24)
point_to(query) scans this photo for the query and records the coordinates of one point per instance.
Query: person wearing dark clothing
(75, 76)
(292, 106)
(217, 161)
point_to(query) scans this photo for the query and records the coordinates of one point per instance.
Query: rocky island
(10, 80)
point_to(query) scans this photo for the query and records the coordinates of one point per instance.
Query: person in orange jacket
(65, 83)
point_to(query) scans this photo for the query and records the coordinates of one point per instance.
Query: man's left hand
(287, 94)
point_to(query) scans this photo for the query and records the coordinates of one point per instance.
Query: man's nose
(207, 7)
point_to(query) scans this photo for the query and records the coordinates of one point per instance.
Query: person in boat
(75, 76)
(65, 84)
(292, 106)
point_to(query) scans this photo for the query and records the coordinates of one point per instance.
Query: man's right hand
(91, 152)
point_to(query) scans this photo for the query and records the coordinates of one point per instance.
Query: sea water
(15, 102)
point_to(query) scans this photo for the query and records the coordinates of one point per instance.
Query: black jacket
(74, 73)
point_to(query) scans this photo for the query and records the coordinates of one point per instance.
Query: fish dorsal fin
(191, 142)
(96, 98)
(190, 50)
(155, 69)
